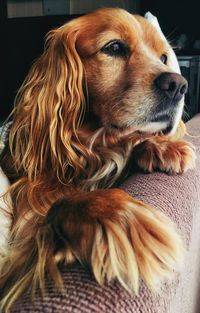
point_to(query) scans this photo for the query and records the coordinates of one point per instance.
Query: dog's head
(128, 68)
(109, 67)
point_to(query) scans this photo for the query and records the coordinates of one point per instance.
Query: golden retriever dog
(101, 100)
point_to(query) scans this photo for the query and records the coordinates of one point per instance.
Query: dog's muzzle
(170, 89)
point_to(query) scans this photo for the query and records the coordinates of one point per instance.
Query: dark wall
(22, 41)
(176, 16)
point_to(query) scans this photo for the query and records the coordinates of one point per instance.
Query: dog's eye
(115, 48)
(163, 58)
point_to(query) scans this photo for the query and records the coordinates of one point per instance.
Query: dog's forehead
(108, 24)
(151, 35)
(116, 21)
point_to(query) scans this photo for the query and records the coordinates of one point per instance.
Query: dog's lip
(123, 131)
(167, 130)
(161, 123)
(164, 118)
(160, 118)
(123, 128)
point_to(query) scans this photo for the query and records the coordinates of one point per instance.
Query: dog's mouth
(165, 121)
(122, 130)
(162, 124)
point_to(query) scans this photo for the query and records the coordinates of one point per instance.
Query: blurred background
(23, 25)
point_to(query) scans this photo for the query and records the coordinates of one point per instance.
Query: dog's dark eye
(115, 48)
(163, 58)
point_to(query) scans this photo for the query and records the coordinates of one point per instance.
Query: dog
(102, 99)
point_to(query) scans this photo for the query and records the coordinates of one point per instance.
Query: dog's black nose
(173, 85)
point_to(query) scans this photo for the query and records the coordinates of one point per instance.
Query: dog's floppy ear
(49, 106)
(173, 62)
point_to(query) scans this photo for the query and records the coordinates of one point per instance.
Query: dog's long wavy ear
(49, 107)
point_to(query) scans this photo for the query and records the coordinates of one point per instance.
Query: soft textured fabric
(4, 131)
(5, 219)
(178, 196)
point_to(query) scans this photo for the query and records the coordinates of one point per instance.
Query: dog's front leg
(166, 153)
(116, 236)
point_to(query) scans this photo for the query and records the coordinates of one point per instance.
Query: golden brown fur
(76, 130)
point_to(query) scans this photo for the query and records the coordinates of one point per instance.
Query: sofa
(177, 196)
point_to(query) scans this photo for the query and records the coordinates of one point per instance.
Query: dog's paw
(178, 157)
(118, 237)
(166, 155)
